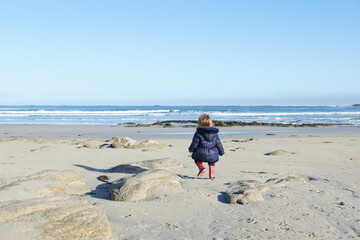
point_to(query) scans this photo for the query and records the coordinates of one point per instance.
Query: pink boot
(201, 168)
(212, 172)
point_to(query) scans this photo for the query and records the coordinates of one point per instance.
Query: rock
(144, 185)
(282, 181)
(142, 125)
(90, 145)
(189, 126)
(356, 105)
(166, 125)
(122, 142)
(57, 218)
(220, 123)
(342, 203)
(163, 163)
(126, 142)
(129, 123)
(244, 192)
(247, 191)
(127, 168)
(104, 146)
(157, 123)
(277, 153)
(148, 144)
(42, 184)
(76, 142)
(50, 200)
(103, 178)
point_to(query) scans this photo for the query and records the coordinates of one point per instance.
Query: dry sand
(325, 206)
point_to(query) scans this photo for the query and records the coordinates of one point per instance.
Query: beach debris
(2, 140)
(151, 183)
(103, 178)
(278, 153)
(52, 202)
(126, 142)
(245, 191)
(355, 159)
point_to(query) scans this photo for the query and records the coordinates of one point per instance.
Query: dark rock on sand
(103, 178)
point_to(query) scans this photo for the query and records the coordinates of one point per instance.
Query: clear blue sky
(180, 52)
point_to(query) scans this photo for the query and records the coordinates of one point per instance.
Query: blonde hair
(204, 121)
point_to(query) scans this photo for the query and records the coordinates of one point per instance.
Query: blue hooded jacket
(206, 145)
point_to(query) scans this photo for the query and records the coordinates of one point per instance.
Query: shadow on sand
(122, 168)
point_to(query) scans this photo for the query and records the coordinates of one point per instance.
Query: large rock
(126, 142)
(42, 184)
(246, 191)
(144, 185)
(50, 204)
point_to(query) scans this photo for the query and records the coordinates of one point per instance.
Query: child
(206, 146)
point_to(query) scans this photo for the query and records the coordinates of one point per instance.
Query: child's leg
(212, 171)
(201, 168)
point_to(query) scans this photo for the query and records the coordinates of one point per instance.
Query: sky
(180, 52)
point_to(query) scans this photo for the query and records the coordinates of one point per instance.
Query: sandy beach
(309, 180)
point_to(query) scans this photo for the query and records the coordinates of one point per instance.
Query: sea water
(112, 115)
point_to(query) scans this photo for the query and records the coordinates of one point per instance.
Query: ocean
(112, 115)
